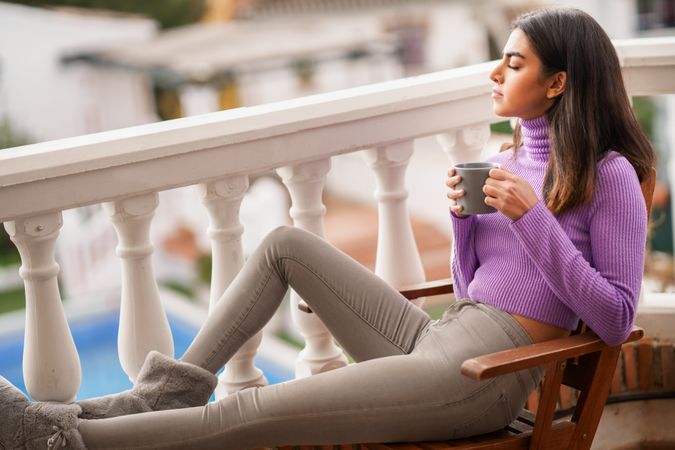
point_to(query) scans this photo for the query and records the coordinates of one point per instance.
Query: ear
(556, 85)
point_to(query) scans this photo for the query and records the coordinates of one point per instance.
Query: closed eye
(508, 57)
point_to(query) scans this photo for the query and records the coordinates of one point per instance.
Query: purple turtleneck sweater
(586, 263)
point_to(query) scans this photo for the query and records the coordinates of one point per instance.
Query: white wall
(48, 100)
(456, 38)
(617, 17)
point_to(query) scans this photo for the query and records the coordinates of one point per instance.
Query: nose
(496, 74)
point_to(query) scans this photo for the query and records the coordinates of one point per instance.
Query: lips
(497, 94)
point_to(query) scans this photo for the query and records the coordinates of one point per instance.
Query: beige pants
(406, 385)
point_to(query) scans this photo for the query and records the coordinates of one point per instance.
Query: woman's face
(519, 89)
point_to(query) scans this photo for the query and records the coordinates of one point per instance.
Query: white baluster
(305, 183)
(51, 365)
(398, 260)
(465, 144)
(222, 200)
(143, 323)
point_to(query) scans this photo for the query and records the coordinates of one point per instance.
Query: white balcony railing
(125, 169)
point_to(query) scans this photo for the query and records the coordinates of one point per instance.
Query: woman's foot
(32, 426)
(163, 383)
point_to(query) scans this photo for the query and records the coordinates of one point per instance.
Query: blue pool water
(96, 341)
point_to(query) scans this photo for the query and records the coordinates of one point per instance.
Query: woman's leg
(419, 396)
(368, 317)
(380, 399)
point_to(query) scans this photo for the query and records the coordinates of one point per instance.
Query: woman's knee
(286, 235)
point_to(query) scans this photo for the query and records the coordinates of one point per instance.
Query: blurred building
(209, 67)
(44, 99)
(67, 72)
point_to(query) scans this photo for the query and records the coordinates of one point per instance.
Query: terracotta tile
(353, 228)
(668, 365)
(630, 367)
(183, 244)
(645, 363)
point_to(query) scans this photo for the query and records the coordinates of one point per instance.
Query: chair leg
(592, 400)
(547, 404)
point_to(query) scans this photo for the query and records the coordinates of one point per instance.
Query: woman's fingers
(501, 174)
(491, 190)
(508, 193)
(454, 195)
(453, 181)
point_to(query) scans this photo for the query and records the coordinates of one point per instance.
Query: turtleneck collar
(535, 138)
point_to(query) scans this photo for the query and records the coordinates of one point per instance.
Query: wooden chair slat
(427, 289)
(647, 187)
(517, 427)
(528, 356)
(394, 446)
(547, 403)
(434, 445)
(592, 400)
(527, 417)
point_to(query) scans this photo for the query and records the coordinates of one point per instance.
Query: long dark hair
(592, 116)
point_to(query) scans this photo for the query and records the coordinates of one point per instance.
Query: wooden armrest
(528, 356)
(411, 291)
(426, 289)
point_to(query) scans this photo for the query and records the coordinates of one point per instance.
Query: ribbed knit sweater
(586, 263)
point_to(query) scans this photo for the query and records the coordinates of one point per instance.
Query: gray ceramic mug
(473, 176)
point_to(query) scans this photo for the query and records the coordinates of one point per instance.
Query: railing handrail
(148, 141)
(66, 173)
(125, 168)
(658, 51)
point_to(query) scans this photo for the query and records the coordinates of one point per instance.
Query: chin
(500, 111)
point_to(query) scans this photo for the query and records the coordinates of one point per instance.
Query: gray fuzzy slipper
(36, 426)
(163, 383)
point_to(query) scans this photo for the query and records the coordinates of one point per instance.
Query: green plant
(178, 287)
(9, 255)
(645, 111)
(501, 127)
(204, 267)
(10, 137)
(12, 300)
(169, 13)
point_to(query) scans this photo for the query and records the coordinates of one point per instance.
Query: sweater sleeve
(464, 260)
(603, 294)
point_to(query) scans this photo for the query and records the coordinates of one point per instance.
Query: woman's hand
(509, 194)
(452, 181)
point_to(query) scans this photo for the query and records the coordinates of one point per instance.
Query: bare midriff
(540, 331)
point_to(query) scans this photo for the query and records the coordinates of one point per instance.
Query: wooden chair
(581, 361)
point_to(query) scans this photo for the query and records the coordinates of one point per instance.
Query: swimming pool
(96, 341)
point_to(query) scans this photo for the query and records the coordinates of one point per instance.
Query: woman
(566, 196)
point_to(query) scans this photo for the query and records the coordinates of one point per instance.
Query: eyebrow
(517, 54)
